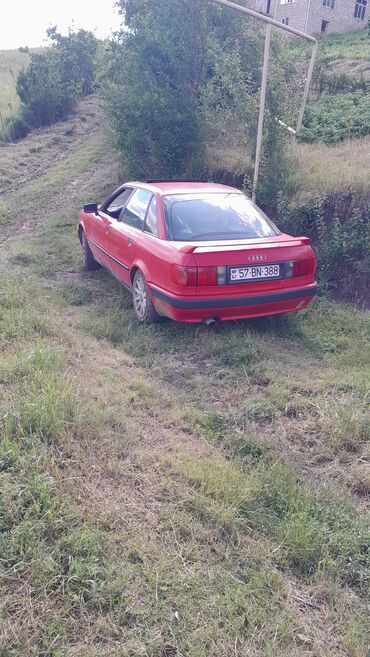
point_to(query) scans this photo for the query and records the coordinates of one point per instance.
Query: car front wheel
(143, 305)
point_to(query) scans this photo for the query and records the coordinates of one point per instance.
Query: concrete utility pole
(261, 116)
(271, 21)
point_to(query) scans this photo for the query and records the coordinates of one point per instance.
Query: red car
(195, 251)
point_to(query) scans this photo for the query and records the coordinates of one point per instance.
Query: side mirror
(91, 207)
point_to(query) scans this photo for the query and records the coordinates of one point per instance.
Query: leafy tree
(155, 73)
(77, 53)
(51, 85)
(179, 73)
(43, 91)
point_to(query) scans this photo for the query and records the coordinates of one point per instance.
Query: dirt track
(29, 158)
(47, 155)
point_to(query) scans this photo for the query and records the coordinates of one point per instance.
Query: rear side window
(151, 222)
(215, 216)
(135, 210)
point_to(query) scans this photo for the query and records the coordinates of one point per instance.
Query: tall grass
(306, 533)
(323, 169)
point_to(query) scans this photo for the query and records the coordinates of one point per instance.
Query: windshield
(215, 216)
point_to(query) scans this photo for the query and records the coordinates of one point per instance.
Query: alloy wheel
(140, 297)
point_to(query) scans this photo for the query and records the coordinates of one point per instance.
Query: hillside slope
(343, 61)
(170, 490)
(43, 147)
(11, 61)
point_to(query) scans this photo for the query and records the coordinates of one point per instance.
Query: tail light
(207, 275)
(198, 275)
(183, 275)
(306, 267)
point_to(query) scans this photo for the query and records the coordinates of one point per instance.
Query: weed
(328, 118)
(308, 535)
(345, 423)
(76, 295)
(261, 410)
(247, 449)
(214, 426)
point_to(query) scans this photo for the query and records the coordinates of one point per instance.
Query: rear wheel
(143, 305)
(89, 260)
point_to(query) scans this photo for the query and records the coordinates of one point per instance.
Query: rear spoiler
(242, 246)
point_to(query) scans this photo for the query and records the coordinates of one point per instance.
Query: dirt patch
(359, 69)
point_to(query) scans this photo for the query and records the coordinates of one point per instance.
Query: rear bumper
(195, 309)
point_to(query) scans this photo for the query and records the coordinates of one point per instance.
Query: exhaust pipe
(209, 321)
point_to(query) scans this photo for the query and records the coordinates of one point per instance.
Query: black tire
(90, 263)
(143, 305)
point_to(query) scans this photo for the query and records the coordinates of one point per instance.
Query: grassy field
(11, 61)
(170, 490)
(323, 169)
(350, 46)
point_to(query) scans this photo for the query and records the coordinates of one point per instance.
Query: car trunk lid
(249, 266)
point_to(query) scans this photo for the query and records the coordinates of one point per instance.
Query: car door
(125, 232)
(99, 233)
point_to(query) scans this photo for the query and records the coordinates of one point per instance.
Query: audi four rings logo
(257, 258)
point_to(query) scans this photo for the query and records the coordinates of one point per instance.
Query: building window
(285, 20)
(360, 9)
(263, 6)
(324, 25)
(328, 3)
(287, 2)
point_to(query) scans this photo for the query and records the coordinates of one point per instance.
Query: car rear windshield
(215, 216)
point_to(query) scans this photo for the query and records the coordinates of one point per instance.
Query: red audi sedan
(196, 252)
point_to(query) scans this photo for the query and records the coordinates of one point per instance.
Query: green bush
(341, 240)
(178, 75)
(151, 89)
(51, 85)
(16, 126)
(337, 116)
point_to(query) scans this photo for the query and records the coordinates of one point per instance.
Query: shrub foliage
(337, 116)
(176, 72)
(340, 235)
(154, 72)
(51, 85)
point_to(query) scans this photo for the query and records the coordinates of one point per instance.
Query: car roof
(164, 187)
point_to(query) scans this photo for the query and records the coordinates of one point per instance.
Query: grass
(353, 45)
(171, 490)
(323, 170)
(320, 169)
(265, 499)
(11, 61)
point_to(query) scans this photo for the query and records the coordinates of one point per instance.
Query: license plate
(254, 273)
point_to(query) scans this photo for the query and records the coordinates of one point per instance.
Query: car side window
(135, 210)
(151, 221)
(115, 206)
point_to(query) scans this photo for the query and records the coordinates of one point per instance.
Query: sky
(24, 22)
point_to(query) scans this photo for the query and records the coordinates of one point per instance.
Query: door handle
(130, 241)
